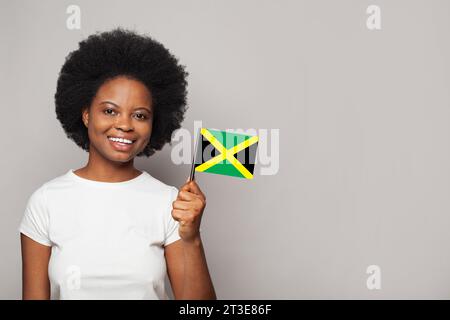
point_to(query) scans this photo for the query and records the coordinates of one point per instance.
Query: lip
(118, 146)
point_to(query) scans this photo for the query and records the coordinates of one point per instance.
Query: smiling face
(122, 108)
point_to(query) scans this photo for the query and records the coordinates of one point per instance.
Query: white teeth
(120, 140)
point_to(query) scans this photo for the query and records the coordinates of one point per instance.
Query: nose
(124, 123)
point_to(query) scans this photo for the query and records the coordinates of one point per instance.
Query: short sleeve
(35, 221)
(171, 225)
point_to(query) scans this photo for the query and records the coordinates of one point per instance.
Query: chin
(123, 157)
(116, 156)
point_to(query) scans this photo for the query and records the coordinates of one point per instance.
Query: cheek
(146, 140)
(100, 123)
(146, 132)
(98, 128)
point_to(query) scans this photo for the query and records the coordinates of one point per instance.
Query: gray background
(364, 136)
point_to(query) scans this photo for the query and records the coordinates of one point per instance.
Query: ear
(85, 116)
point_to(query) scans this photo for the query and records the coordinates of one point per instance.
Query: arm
(185, 258)
(35, 258)
(188, 271)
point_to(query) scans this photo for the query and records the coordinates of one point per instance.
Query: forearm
(197, 281)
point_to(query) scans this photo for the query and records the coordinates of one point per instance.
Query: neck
(101, 169)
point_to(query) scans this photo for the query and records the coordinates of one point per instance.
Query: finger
(187, 196)
(194, 188)
(178, 214)
(185, 187)
(182, 205)
(182, 216)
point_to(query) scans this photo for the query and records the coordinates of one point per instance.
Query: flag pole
(192, 174)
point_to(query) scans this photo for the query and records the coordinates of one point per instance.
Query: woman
(108, 230)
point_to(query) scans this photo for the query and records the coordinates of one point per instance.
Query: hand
(188, 210)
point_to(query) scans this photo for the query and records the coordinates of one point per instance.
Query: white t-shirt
(107, 238)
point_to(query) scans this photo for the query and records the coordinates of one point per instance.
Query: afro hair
(121, 52)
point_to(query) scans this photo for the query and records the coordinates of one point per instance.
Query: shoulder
(41, 193)
(38, 196)
(160, 187)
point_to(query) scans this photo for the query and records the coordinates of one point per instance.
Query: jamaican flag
(225, 153)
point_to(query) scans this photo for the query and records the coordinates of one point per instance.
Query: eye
(143, 116)
(106, 111)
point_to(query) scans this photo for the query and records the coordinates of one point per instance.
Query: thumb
(185, 186)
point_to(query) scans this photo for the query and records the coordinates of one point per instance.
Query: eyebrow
(116, 105)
